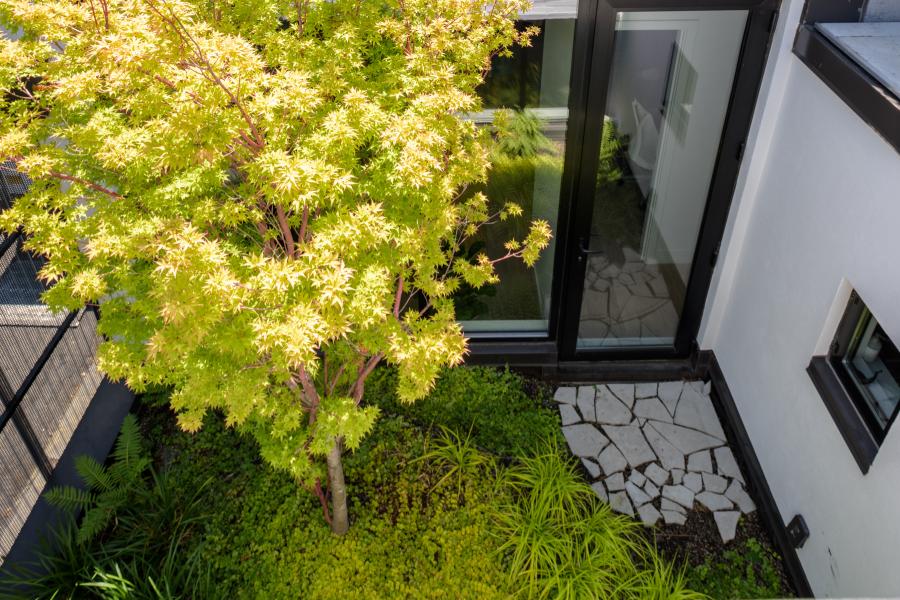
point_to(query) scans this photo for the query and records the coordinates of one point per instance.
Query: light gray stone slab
(584, 440)
(693, 482)
(656, 474)
(620, 503)
(641, 421)
(637, 478)
(679, 494)
(677, 476)
(875, 46)
(714, 501)
(637, 495)
(696, 411)
(615, 482)
(652, 408)
(727, 521)
(726, 465)
(609, 409)
(667, 504)
(600, 490)
(739, 496)
(649, 515)
(631, 442)
(669, 456)
(592, 467)
(644, 390)
(568, 414)
(611, 460)
(651, 489)
(673, 518)
(669, 392)
(565, 395)
(624, 392)
(685, 439)
(700, 462)
(586, 402)
(714, 483)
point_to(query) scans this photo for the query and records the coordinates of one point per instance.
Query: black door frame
(591, 66)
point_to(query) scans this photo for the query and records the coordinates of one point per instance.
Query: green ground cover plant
(747, 571)
(436, 513)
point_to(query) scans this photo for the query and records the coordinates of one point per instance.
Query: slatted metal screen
(47, 375)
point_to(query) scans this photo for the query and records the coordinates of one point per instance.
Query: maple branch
(398, 297)
(323, 500)
(285, 230)
(94, 15)
(358, 387)
(310, 393)
(73, 179)
(303, 223)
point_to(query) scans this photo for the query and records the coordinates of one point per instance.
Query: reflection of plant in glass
(518, 134)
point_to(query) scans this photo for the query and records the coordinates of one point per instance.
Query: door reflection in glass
(670, 84)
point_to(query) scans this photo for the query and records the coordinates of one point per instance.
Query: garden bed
(436, 508)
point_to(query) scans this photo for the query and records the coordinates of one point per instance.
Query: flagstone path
(655, 450)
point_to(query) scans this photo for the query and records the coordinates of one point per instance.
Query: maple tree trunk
(339, 519)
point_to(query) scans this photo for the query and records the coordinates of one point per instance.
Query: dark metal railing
(47, 375)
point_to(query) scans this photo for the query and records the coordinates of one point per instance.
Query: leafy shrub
(490, 405)
(561, 542)
(748, 571)
(137, 537)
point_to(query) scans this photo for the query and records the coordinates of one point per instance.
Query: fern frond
(94, 522)
(129, 445)
(95, 475)
(69, 498)
(128, 474)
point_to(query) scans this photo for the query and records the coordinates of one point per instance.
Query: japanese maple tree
(266, 198)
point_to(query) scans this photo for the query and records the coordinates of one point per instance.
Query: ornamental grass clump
(560, 541)
(266, 199)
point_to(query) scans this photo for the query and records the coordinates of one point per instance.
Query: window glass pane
(668, 95)
(873, 364)
(531, 92)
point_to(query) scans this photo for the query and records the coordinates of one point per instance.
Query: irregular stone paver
(700, 462)
(726, 464)
(679, 494)
(669, 456)
(714, 483)
(630, 441)
(623, 391)
(609, 409)
(615, 482)
(600, 490)
(584, 440)
(693, 482)
(673, 518)
(669, 392)
(666, 451)
(714, 501)
(611, 460)
(637, 478)
(652, 408)
(696, 411)
(649, 515)
(592, 467)
(644, 390)
(656, 474)
(686, 439)
(565, 395)
(568, 414)
(739, 496)
(637, 495)
(585, 402)
(727, 521)
(619, 502)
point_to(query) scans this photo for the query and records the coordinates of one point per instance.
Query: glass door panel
(526, 99)
(669, 89)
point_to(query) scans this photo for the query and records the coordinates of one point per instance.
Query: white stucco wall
(817, 208)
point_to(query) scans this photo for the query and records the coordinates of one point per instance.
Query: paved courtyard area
(655, 450)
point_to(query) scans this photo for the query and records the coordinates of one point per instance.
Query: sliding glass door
(669, 88)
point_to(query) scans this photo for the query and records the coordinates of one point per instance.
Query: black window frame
(871, 100)
(836, 385)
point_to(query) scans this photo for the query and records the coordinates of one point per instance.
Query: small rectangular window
(869, 364)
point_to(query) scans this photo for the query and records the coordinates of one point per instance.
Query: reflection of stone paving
(655, 449)
(627, 301)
